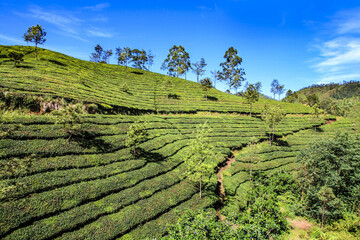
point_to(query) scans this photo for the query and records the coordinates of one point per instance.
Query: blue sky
(297, 42)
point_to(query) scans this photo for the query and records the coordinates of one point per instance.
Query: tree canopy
(231, 71)
(252, 94)
(198, 68)
(35, 34)
(177, 62)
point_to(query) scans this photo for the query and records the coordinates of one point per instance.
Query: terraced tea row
(76, 190)
(280, 156)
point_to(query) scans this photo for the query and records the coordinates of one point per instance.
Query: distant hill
(334, 98)
(333, 91)
(115, 88)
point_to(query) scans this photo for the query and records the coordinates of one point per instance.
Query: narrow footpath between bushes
(222, 193)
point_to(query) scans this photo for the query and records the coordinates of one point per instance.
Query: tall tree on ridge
(198, 68)
(107, 55)
(150, 57)
(215, 75)
(177, 62)
(139, 58)
(231, 71)
(124, 56)
(274, 86)
(97, 55)
(35, 34)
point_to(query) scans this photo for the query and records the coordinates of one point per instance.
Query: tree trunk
(197, 77)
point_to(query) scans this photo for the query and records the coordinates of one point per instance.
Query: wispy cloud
(67, 24)
(98, 7)
(8, 39)
(98, 33)
(339, 48)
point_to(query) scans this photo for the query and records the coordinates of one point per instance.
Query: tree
(167, 85)
(178, 61)
(107, 55)
(231, 71)
(124, 56)
(272, 115)
(312, 99)
(274, 86)
(97, 55)
(35, 34)
(329, 172)
(139, 58)
(206, 84)
(150, 58)
(252, 94)
(135, 135)
(288, 93)
(200, 163)
(198, 68)
(280, 90)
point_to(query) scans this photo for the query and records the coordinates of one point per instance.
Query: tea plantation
(93, 186)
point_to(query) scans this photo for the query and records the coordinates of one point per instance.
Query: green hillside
(71, 175)
(58, 75)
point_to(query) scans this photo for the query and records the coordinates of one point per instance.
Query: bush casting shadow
(57, 62)
(211, 98)
(138, 73)
(148, 156)
(174, 96)
(24, 66)
(282, 143)
(88, 139)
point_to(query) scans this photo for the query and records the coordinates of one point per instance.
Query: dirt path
(222, 193)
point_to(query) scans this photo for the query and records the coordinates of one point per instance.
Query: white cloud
(98, 7)
(98, 33)
(8, 39)
(67, 24)
(339, 51)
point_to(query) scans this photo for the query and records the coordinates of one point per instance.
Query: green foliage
(100, 55)
(201, 162)
(16, 57)
(72, 121)
(201, 225)
(329, 176)
(124, 56)
(177, 62)
(231, 71)
(136, 134)
(35, 34)
(252, 94)
(272, 115)
(139, 58)
(198, 68)
(58, 76)
(206, 84)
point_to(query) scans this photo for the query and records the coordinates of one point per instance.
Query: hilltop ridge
(115, 88)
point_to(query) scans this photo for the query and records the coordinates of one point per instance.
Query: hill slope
(58, 75)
